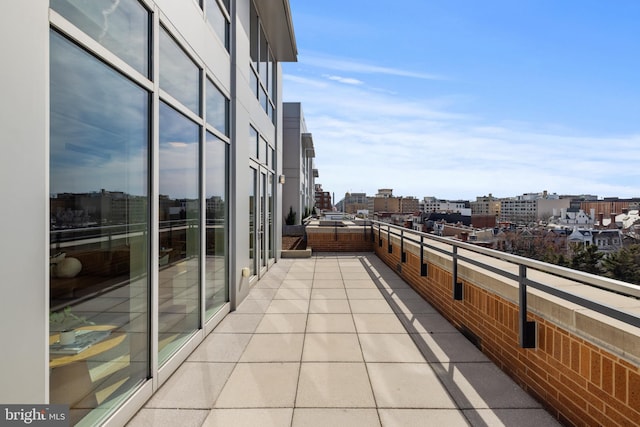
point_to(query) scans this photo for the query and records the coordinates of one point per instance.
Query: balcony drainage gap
(473, 338)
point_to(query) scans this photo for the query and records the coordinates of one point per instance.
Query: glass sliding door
(253, 191)
(270, 215)
(260, 217)
(262, 236)
(179, 235)
(99, 222)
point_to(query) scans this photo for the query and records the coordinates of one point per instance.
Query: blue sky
(461, 98)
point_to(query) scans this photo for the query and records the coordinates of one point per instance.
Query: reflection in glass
(270, 213)
(253, 142)
(99, 286)
(217, 108)
(254, 82)
(216, 277)
(179, 75)
(254, 29)
(179, 235)
(262, 150)
(218, 22)
(271, 158)
(261, 224)
(122, 26)
(253, 182)
(264, 57)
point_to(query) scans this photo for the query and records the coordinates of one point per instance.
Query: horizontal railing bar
(627, 289)
(612, 312)
(567, 273)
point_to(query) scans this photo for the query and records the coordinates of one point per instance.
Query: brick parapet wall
(583, 377)
(339, 239)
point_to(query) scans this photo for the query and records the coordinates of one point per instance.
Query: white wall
(24, 175)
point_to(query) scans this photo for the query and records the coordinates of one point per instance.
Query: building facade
(323, 199)
(486, 205)
(145, 145)
(298, 166)
(353, 202)
(433, 204)
(531, 207)
(409, 204)
(610, 205)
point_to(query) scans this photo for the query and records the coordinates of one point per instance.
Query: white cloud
(367, 140)
(323, 61)
(345, 80)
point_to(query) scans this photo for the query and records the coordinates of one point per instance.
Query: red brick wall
(342, 240)
(579, 383)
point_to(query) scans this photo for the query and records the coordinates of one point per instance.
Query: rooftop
(338, 340)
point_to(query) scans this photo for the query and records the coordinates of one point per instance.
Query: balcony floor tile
(378, 355)
(332, 348)
(263, 417)
(323, 417)
(334, 385)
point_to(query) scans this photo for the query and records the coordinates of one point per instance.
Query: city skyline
(460, 100)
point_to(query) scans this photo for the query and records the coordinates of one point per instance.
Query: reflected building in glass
(125, 125)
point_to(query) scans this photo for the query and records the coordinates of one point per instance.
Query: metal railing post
(527, 328)
(423, 266)
(457, 286)
(389, 245)
(403, 255)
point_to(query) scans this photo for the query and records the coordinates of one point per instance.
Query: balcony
(338, 339)
(386, 326)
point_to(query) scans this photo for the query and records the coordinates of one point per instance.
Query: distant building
(298, 191)
(606, 240)
(353, 202)
(571, 217)
(385, 204)
(385, 201)
(531, 207)
(323, 199)
(409, 204)
(486, 205)
(484, 221)
(432, 204)
(610, 205)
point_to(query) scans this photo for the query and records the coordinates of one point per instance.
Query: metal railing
(452, 248)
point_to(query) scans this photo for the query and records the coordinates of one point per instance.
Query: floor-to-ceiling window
(179, 197)
(253, 190)
(99, 189)
(216, 198)
(262, 68)
(270, 214)
(217, 248)
(218, 16)
(179, 231)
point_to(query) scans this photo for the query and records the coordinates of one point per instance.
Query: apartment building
(353, 202)
(610, 205)
(531, 207)
(409, 204)
(298, 166)
(323, 199)
(433, 204)
(143, 141)
(486, 205)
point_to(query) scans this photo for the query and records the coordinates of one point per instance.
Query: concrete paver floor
(338, 340)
